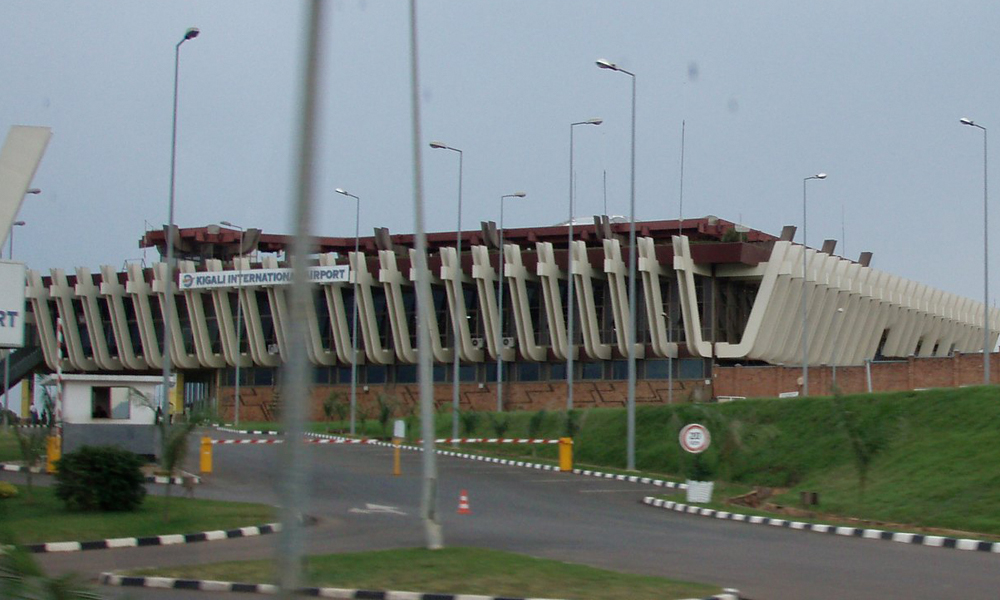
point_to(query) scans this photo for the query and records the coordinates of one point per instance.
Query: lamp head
(594, 121)
(341, 191)
(606, 64)
(967, 121)
(439, 145)
(191, 33)
(18, 223)
(519, 194)
(820, 176)
(33, 191)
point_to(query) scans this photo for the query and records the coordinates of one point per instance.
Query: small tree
(867, 438)
(386, 408)
(334, 405)
(32, 447)
(470, 420)
(174, 447)
(362, 415)
(500, 423)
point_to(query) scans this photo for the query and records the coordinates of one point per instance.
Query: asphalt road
(553, 515)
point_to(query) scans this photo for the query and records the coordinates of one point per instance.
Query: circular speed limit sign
(695, 438)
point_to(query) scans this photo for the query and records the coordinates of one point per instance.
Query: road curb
(934, 541)
(204, 585)
(155, 540)
(146, 478)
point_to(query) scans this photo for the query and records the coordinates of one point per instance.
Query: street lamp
(631, 337)
(986, 259)
(458, 289)
(499, 334)
(354, 317)
(805, 290)
(569, 270)
(190, 34)
(6, 362)
(239, 323)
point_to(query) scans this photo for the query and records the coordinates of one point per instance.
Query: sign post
(695, 439)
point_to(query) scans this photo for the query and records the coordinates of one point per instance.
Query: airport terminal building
(711, 295)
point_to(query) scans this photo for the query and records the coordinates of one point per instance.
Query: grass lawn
(457, 571)
(46, 520)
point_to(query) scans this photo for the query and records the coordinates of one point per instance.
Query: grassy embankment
(457, 571)
(934, 456)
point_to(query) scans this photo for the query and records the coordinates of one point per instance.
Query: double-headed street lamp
(986, 259)
(239, 322)
(456, 330)
(190, 34)
(499, 331)
(631, 337)
(354, 317)
(805, 290)
(569, 270)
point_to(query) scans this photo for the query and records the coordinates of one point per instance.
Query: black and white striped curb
(155, 540)
(147, 479)
(229, 429)
(672, 485)
(204, 585)
(935, 541)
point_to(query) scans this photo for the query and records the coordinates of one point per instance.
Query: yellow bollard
(565, 454)
(206, 455)
(53, 452)
(396, 469)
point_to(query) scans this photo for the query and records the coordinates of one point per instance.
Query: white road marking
(377, 508)
(608, 491)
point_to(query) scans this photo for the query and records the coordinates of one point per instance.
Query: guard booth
(110, 410)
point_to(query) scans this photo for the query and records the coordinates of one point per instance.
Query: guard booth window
(109, 403)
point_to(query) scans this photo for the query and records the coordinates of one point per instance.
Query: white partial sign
(256, 277)
(695, 438)
(399, 429)
(12, 282)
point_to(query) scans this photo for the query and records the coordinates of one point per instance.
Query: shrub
(104, 478)
(470, 420)
(499, 423)
(7, 490)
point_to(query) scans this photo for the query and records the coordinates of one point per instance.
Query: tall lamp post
(805, 290)
(239, 324)
(456, 329)
(6, 361)
(190, 34)
(499, 331)
(986, 259)
(631, 338)
(569, 270)
(354, 315)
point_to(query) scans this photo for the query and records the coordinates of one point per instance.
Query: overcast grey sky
(772, 91)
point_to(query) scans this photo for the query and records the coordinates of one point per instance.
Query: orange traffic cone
(463, 504)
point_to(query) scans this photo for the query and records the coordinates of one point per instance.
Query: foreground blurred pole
(428, 506)
(295, 391)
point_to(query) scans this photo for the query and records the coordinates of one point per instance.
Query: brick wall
(257, 403)
(913, 373)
